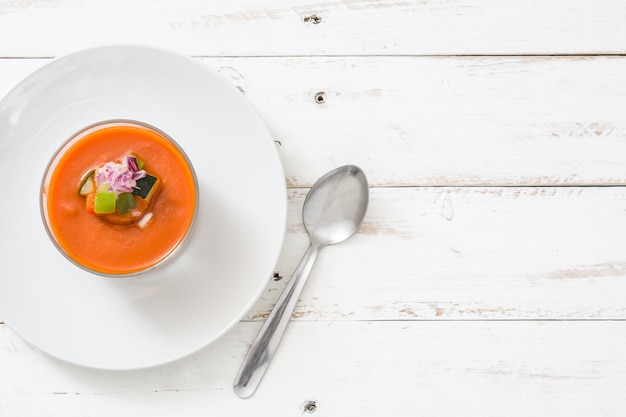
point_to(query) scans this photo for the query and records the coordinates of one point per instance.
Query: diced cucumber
(125, 203)
(104, 202)
(88, 185)
(145, 185)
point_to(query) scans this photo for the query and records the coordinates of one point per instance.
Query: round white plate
(172, 311)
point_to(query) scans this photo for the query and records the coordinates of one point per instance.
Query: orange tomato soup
(115, 249)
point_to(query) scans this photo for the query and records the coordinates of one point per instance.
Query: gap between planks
(426, 56)
(403, 320)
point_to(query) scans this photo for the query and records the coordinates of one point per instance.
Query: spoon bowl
(333, 211)
(336, 205)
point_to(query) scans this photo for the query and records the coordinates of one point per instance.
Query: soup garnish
(119, 191)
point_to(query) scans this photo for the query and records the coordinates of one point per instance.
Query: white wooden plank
(349, 368)
(436, 121)
(347, 27)
(467, 253)
(445, 121)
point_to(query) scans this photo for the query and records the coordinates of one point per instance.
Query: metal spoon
(333, 211)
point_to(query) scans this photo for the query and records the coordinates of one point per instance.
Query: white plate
(165, 314)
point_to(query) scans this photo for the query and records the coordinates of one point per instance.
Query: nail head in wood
(320, 98)
(314, 19)
(309, 407)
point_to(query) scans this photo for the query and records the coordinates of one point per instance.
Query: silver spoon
(333, 211)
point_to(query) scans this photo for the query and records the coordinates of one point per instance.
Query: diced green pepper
(104, 202)
(125, 203)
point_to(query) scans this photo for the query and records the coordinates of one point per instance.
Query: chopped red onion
(120, 177)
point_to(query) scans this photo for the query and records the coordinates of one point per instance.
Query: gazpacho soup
(119, 197)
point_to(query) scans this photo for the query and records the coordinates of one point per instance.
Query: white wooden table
(489, 277)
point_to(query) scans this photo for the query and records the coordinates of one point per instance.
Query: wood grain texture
(349, 368)
(347, 27)
(445, 121)
(425, 121)
(467, 253)
(488, 276)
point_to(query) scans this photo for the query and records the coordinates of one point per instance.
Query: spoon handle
(264, 346)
